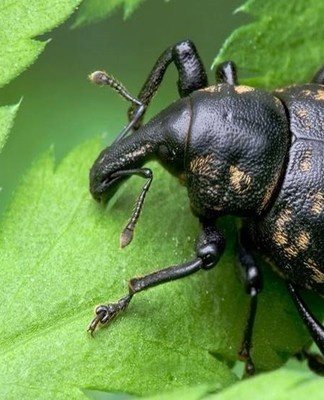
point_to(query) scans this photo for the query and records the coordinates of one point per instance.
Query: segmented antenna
(102, 78)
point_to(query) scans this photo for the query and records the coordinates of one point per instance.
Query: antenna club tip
(99, 77)
(126, 237)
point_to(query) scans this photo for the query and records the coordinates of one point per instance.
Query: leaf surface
(60, 257)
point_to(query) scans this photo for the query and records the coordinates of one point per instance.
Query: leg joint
(209, 255)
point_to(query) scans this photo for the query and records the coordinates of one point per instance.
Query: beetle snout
(103, 186)
(98, 190)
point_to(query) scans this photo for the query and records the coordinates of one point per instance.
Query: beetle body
(292, 230)
(239, 151)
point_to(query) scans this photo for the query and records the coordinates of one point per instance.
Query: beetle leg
(315, 328)
(192, 74)
(226, 73)
(319, 77)
(209, 248)
(315, 361)
(252, 278)
(127, 233)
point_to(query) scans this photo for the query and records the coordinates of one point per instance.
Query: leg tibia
(209, 249)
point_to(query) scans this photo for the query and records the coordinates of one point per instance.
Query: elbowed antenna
(102, 78)
(122, 159)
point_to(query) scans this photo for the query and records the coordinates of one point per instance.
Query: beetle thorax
(237, 148)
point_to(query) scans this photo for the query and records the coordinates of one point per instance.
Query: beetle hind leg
(252, 278)
(315, 328)
(315, 361)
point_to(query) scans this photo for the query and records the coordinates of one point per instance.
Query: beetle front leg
(192, 76)
(253, 285)
(209, 248)
(127, 234)
(191, 71)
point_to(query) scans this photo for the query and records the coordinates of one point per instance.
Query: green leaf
(187, 393)
(96, 10)
(7, 115)
(283, 45)
(281, 384)
(60, 257)
(289, 384)
(20, 22)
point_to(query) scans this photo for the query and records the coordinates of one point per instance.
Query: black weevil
(239, 151)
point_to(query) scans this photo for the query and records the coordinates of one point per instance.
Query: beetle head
(104, 182)
(163, 138)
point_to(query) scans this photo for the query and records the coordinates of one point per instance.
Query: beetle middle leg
(226, 73)
(252, 278)
(209, 248)
(319, 77)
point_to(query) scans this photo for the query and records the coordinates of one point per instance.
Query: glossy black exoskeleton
(239, 151)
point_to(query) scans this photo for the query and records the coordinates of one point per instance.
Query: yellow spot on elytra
(316, 274)
(303, 116)
(305, 162)
(239, 180)
(306, 92)
(243, 89)
(317, 203)
(302, 240)
(297, 245)
(291, 251)
(279, 90)
(302, 113)
(280, 238)
(283, 218)
(319, 95)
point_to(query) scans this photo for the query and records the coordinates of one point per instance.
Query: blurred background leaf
(7, 116)
(95, 10)
(283, 44)
(20, 22)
